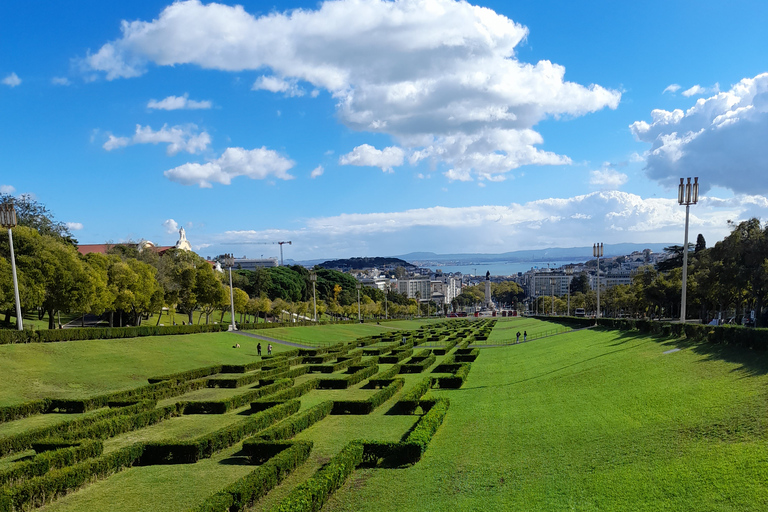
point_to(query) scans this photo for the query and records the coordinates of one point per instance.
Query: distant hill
(366, 262)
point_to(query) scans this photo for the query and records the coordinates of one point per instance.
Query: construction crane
(265, 243)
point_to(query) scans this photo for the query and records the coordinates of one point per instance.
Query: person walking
(258, 348)
(269, 349)
(518, 337)
(525, 335)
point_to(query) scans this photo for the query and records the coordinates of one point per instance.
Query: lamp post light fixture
(359, 287)
(552, 289)
(687, 194)
(569, 272)
(8, 221)
(386, 310)
(313, 278)
(229, 261)
(597, 251)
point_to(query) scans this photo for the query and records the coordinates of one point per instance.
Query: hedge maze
(269, 413)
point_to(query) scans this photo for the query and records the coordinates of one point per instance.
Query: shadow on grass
(236, 459)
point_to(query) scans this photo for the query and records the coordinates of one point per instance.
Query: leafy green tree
(32, 214)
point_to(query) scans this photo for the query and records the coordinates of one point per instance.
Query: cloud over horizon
(256, 164)
(439, 76)
(721, 139)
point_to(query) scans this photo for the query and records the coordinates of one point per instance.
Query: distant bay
(497, 268)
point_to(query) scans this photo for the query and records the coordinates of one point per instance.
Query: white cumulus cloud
(439, 76)
(721, 139)
(673, 88)
(170, 226)
(366, 155)
(74, 226)
(697, 90)
(7, 189)
(317, 171)
(178, 103)
(256, 164)
(178, 138)
(607, 179)
(12, 80)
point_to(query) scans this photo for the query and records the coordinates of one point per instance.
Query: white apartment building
(413, 285)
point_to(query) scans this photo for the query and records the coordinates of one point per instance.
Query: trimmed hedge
(120, 424)
(292, 392)
(368, 405)
(349, 380)
(447, 348)
(410, 400)
(456, 380)
(196, 373)
(24, 440)
(46, 461)
(418, 364)
(467, 358)
(241, 368)
(428, 424)
(187, 452)
(396, 356)
(255, 485)
(311, 495)
(234, 382)
(44, 489)
(16, 412)
(233, 402)
(295, 424)
(333, 368)
(390, 453)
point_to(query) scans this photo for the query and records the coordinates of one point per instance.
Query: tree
(701, 244)
(580, 283)
(35, 215)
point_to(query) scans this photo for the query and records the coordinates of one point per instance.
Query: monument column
(488, 301)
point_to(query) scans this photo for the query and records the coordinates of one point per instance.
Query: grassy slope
(590, 421)
(78, 369)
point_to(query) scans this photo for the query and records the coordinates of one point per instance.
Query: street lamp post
(8, 220)
(313, 278)
(569, 272)
(359, 318)
(687, 194)
(229, 261)
(597, 251)
(552, 289)
(386, 309)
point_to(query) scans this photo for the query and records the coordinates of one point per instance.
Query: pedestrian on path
(525, 335)
(258, 349)
(269, 349)
(518, 337)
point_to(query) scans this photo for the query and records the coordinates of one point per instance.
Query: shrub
(428, 424)
(292, 392)
(196, 373)
(15, 412)
(368, 405)
(295, 424)
(348, 380)
(410, 401)
(418, 364)
(311, 495)
(233, 402)
(113, 426)
(46, 461)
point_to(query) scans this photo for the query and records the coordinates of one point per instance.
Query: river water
(499, 268)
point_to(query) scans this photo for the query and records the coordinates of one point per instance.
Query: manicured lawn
(505, 330)
(324, 334)
(78, 369)
(590, 420)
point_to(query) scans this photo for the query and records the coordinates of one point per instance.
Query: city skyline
(380, 128)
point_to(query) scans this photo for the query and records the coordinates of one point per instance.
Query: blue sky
(363, 128)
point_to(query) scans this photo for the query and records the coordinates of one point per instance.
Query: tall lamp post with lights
(359, 287)
(597, 251)
(229, 261)
(313, 278)
(8, 221)
(687, 194)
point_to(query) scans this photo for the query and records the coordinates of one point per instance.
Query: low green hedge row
(241, 368)
(320, 359)
(233, 402)
(446, 348)
(391, 453)
(256, 484)
(295, 424)
(196, 373)
(156, 391)
(115, 425)
(396, 356)
(348, 380)
(287, 374)
(234, 382)
(418, 365)
(44, 489)
(311, 495)
(468, 357)
(188, 452)
(23, 441)
(46, 461)
(456, 380)
(287, 394)
(338, 366)
(409, 401)
(385, 375)
(370, 404)
(15, 412)
(428, 424)
(294, 352)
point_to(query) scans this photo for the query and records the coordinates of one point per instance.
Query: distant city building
(143, 245)
(254, 263)
(415, 286)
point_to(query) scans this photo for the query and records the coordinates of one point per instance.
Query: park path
(530, 340)
(272, 340)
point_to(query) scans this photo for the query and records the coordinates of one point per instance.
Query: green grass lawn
(590, 420)
(324, 334)
(506, 329)
(78, 369)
